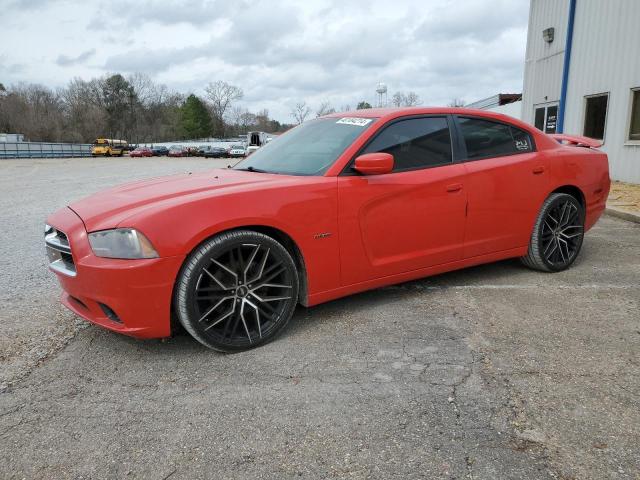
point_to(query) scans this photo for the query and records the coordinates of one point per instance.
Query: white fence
(43, 150)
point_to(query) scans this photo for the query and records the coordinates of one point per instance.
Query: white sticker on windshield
(360, 122)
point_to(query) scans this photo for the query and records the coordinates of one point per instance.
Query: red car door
(410, 218)
(506, 182)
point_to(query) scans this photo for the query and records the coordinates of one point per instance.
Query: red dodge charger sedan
(338, 205)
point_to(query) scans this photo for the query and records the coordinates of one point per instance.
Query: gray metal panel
(485, 102)
(43, 150)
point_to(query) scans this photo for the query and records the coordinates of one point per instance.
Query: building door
(546, 117)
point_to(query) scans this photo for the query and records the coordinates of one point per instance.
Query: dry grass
(625, 196)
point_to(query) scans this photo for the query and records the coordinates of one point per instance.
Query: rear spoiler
(576, 140)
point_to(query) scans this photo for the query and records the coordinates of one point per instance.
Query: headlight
(124, 243)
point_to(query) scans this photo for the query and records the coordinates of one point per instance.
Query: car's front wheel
(237, 290)
(557, 235)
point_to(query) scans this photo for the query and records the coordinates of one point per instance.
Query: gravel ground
(625, 196)
(490, 372)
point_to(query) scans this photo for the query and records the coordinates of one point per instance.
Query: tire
(236, 291)
(557, 235)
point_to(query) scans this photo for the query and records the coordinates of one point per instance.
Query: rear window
(484, 138)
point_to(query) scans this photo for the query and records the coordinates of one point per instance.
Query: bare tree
(247, 120)
(300, 112)
(397, 99)
(409, 99)
(325, 108)
(456, 102)
(34, 110)
(221, 96)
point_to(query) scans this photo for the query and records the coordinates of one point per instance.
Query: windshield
(308, 149)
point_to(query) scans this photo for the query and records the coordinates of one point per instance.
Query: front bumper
(137, 293)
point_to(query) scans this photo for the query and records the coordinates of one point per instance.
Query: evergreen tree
(362, 105)
(195, 119)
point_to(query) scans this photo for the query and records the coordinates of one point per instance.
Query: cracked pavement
(490, 372)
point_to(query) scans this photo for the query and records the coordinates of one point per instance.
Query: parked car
(412, 191)
(160, 151)
(237, 151)
(216, 152)
(202, 149)
(141, 152)
(192, 152)
(177, 151)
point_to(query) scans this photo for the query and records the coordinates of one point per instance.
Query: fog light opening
(111, 315)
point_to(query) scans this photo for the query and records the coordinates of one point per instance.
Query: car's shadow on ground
(505, 273)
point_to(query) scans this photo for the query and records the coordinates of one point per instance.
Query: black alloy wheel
(558, 234)
(237, 290)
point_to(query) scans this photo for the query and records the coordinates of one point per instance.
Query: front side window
(595, 116)
(309, 149)
(484, 138)
(415, 143)
(634, 127)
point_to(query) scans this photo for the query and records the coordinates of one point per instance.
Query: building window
(634, 126)
(595, 116)
(546, 118)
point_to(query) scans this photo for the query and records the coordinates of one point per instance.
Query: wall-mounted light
(548, 34)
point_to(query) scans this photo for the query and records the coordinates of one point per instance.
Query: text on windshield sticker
(360, 122)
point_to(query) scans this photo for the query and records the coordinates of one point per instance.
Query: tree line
(137, 109)
(134, 108)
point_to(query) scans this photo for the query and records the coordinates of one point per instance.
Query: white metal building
(505, 103)
(582, 75)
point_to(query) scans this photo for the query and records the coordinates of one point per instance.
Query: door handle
(538, 170)
(454, 187)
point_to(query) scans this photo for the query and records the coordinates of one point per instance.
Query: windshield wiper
(252, 169)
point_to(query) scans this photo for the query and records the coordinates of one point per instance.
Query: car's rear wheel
(236, 291)
(557, 235)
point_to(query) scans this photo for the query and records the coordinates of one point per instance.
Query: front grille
(59, 251)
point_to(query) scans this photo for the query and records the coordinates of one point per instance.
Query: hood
(107, 208)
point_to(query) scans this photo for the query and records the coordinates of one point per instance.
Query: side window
(484, 138)
(415, 143)
(521, 140)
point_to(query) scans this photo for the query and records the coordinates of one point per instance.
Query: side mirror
(374, 163)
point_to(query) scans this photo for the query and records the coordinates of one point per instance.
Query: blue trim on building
(565, 67)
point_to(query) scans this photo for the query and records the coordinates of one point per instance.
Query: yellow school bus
(108, 147)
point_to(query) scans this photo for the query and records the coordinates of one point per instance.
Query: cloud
(65, 61)
(281, 52)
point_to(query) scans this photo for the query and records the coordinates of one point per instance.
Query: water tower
(381, 90)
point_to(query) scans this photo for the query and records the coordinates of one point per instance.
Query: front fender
(301, 212)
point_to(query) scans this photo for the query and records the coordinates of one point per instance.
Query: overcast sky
(279, 52)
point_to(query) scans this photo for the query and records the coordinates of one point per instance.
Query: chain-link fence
(43, 150)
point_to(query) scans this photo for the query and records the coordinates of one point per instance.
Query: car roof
(386, 114)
